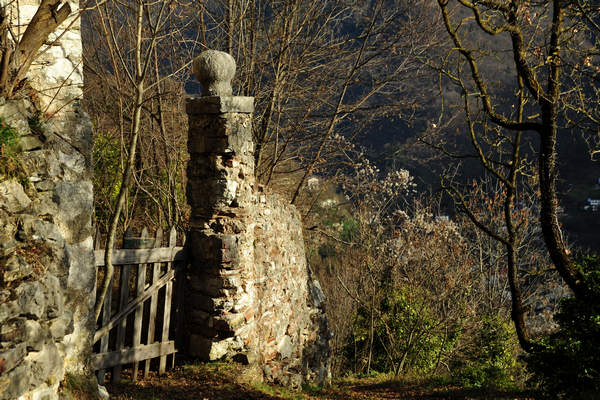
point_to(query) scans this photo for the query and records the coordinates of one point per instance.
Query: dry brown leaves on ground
(226, 382)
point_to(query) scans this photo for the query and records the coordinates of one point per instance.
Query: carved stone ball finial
(214, 70)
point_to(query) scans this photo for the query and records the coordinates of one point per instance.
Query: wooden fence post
(123, 299)
(105, 318)
(154, 301)
(139, 312)
(180, 277)
(168, 295)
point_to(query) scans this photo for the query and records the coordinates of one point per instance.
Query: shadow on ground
(229, 382)
(186, 383)
(422, 390)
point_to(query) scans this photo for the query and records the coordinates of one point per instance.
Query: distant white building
(312, 184)
(593, 204)
(329, 203)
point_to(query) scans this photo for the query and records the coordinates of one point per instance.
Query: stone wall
(291, 328)
(252, 297)
(47, 274)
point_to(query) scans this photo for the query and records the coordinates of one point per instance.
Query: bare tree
(316, 69)
(130, 34)
(525, 107)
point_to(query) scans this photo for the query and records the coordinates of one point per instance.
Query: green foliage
(408, 335)
(36, 126)
(349, 229)
(568, 364)
(492, 360)
(107, 174)
(9, 138)
(10, 161)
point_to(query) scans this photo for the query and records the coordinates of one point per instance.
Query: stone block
(205, 303)
(103, 393)
(75, 204)
(285, 347)
(12, 196)
(208, 194)
(35, 335)
(10, 358)
(204, 166)
(43, 205)
(205, 144)
(44, 392)
(13, 331)
(8, 310)
(16, 268)
(15, 383)
(31, 299)
(203, 246)
(35, 229)
(45, 162)
(45, 364)
(16, 113)
(7, 234)
(230, 248)
(26, 331)
(212, 285)
(209, 286)
(197, 316)
(202, 330)
(82, 273)
(222, 249)
(30, 142)
(54, 296)
(4, 295)
(228, 322)
(61, 326)
(207, 349)
(219, 105)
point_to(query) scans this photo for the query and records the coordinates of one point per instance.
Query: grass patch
(36, 126)
(79, 387)
(11, 166)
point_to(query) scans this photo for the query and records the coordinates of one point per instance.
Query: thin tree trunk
(49, 15)
(128, 172)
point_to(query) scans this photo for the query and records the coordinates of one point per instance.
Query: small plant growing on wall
(10, 164)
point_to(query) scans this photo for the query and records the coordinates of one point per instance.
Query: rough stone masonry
(252, 297)
(47, 274)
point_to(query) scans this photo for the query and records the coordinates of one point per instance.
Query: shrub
(349, 230)
(409, 337)
(491, 361)
(568, 364)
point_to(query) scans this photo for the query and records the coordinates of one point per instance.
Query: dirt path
(222, 382)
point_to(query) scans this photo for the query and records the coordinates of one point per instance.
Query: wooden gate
(140, 308)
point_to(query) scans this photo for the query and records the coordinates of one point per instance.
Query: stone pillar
(220, 192)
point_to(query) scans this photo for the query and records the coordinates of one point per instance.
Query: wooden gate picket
(153, 301)
(128, 331)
